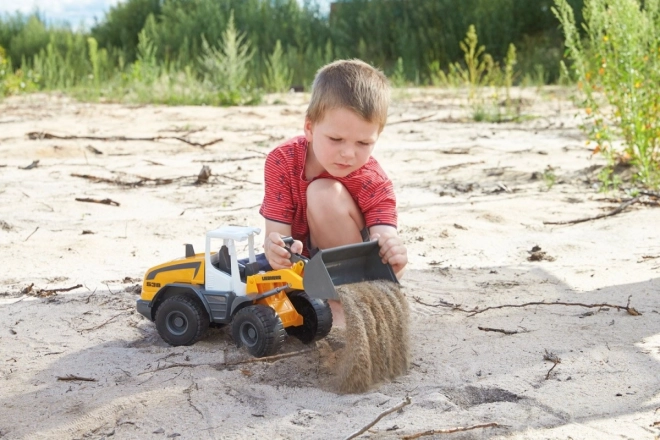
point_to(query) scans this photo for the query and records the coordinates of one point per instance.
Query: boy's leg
(334, 219)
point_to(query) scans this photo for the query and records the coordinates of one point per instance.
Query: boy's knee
(324, 195)
(325, 188)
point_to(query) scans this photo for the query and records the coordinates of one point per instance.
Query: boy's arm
(392, 249)
(277, 256)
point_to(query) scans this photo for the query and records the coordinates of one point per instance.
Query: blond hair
(351, 84)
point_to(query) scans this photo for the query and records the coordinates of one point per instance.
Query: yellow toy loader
(184, 296)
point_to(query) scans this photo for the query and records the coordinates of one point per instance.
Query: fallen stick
(47, 292)
(421, 118)
(276, 357)
(618, 210)
(450, 430)
(34, 164)
(222, 365)
(499, 330)
(549, 356)
(627, 308)
(71, 377)
(650, 194)
(442, 304)
(100, 325)
(103, 201)
(380, 416)
(38, 135)
(142, 180)
(35, 230)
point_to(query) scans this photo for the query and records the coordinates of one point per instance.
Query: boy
(324, 189)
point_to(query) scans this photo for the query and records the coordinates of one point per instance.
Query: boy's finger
(297, 247)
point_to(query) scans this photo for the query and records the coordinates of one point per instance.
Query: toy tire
(317, 318)
(181, 321)
(259, 329)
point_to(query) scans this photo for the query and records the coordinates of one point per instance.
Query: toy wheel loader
(185, 296)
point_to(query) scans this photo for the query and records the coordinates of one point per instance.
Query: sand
(473, 199)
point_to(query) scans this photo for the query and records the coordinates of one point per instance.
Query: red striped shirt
(285, 198)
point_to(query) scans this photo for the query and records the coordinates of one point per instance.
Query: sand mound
(377, 338)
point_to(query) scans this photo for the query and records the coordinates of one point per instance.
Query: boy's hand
(392, 251)
(277, 256)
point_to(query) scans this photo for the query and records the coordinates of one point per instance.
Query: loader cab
(223, 271)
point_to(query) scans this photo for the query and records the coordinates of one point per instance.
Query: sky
(75, 12)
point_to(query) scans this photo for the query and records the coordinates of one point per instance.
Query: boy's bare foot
(337, 309)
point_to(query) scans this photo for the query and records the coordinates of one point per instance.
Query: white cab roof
(237, 233)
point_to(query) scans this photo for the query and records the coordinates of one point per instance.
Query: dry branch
(451, 430)
(38, 135)
(141, 180)
(96, 327)
(421, 118)
(380, 416)
(549, 356)
(101, 201)
(35, 230)
(276, 357)
(442, 304)
(71, 377)
(222, 365)
(618, 210)
(627, 308)
(29, 290)
(499, 330)
(34, 164)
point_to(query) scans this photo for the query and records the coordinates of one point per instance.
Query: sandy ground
(473, 199)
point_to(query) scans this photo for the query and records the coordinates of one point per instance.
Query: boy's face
(342, 141)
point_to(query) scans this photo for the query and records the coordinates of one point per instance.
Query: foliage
(483, 78)
(618, 69)
(169, 45)
(12, 83)
(278, 75)
(227, 67)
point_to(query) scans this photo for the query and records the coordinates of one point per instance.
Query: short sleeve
(277, 204)
(378, 203)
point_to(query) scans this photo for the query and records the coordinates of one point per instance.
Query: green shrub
(278, 75)
(618, 69)
(12, 83)
(226, 68)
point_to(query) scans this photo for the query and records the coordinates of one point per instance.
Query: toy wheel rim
(249, 334)
(177, 323)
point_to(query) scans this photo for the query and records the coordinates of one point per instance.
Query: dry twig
(96, 327)
(102, 201)
(38, 135)
(499, 330)
(220, 366)
(34, 164)
(631, 310)
(273, 358)
(618, 210)
(362, 430)
(549, 356)
(451, 430)
(140, 182)
(421, 118)
(441, 303)
(71, 377)
(35, 230)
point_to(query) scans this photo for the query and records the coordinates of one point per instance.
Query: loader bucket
(348, 264)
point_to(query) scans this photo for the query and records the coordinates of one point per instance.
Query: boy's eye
(335, 139)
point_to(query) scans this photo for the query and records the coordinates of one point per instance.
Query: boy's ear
(309, 129)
